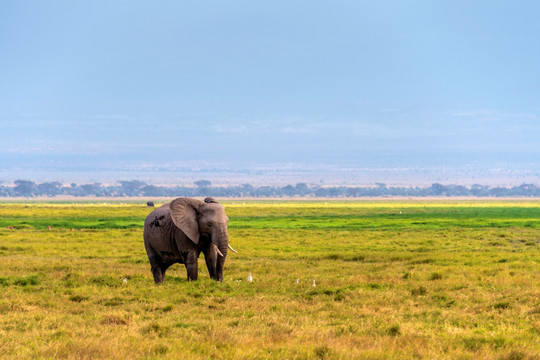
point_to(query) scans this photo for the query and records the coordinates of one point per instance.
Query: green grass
(306, 215)
(410, 279)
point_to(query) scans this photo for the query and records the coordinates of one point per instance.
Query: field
(394, 279)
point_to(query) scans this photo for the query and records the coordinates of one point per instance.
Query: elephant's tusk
(217, 249)
(234, 251)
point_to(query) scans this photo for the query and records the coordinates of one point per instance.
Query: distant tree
(525, 190)
(245, 190)
(49, 188)
(203, 188)
(302, 189)
(498, 191)
(375, 191)
(24, 188)
(288, 190)
(181, 191)
(460, 190)
(28, 188)
(90, 190)
(151, 190)
(131, 187)
(336, 192)
(265, 191)
(4, 191)
(353, 192)
(438, 189)
(479, 190)
(202, 183)
(321, 192)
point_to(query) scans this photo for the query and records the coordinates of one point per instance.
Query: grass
(409, 279)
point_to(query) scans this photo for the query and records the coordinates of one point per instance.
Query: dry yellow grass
(438, 280)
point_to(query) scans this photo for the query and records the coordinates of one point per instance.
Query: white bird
(313, 283)
(125, 281)
(297, 281)
(250, 278)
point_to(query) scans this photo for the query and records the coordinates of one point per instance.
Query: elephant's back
(157, 216)
(162, 236)
(159, 221)
(157, 226)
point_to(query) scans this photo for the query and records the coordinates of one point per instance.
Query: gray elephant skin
(179, 231)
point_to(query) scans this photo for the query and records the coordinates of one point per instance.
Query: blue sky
(362, 83)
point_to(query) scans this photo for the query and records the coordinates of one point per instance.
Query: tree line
(131, 188)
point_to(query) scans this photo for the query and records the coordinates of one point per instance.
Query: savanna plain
(393, 280)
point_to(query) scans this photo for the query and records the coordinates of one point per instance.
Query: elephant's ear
(184, 216)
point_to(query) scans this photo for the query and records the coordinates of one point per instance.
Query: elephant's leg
(164, 268)
(219, 267)
(155, 263)
(191, 265)
(210, 256)
(156, 271)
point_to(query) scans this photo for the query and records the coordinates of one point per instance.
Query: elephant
(179, 231)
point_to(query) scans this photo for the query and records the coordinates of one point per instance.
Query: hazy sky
(361, 83)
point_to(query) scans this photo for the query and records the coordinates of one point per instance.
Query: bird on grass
(250, 278)
(313, 283)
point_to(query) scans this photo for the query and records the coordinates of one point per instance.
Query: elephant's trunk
(222, 246)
